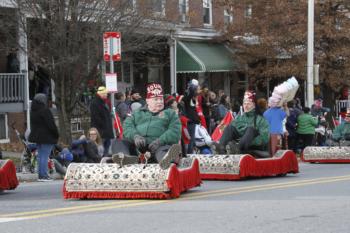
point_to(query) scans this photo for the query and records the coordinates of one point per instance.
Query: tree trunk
(63, 111)
(64, 126)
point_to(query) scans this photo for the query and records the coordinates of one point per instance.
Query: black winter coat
(101, 118)
(122, 109)
(43, 127)
(190, 110)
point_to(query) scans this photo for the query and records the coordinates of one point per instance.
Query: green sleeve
(129, 128)
(240, 125)
(263, 137)
(314, 121)
(173, 134)
(337, 133)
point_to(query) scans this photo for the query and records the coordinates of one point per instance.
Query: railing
(341, 104)
(12, 88)
(80, 118)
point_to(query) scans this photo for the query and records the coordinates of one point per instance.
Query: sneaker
(217, 148)
(123, 159)
(171, 156)
(106, 160)
(45, 179)
(232, 148)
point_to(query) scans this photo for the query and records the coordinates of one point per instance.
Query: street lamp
(310, 53)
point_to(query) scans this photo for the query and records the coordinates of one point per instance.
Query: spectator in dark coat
(121, 108)
(101, 117)
(135, 97)
(204, 93)
(261, 105)
(190, 111)
(223, 108)
(43, 132)
(291, 125)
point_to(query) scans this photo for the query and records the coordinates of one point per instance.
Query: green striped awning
(196, 57)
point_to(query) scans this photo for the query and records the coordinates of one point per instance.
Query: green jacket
(247, 119)
(340, 131)
(165, 125)
(306, 124)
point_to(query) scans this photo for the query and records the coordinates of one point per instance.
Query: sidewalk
(25, 177)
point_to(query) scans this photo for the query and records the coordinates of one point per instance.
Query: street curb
(27, 177)
(11, 154)
(32, 177)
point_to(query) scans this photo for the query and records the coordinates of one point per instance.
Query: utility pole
(111, 70)
(112, 52)
(310, 54)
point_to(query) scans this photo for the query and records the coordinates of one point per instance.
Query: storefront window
(123, 71)
(158, 6)
(3, 127)
(248, 11)
(154, 74)
(118, 70)
(126, 72)
(228, 16)
(207, 12)
(183, 10)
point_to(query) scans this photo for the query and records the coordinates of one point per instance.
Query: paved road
(316, 200)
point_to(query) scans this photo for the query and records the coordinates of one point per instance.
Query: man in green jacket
(153, 129)
(342, 131)
(251, 129)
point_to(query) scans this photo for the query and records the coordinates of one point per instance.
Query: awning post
(173, 79)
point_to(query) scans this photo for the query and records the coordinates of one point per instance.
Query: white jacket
(202, 137)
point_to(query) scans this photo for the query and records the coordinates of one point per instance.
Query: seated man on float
(151, 129)
(342, 132)
(250, 129)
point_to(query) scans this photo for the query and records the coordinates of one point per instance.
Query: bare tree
(332, 42)
(271, 37)
(65, 36)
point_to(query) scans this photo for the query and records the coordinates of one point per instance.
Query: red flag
(118, 126)
(217, 134)
(199, 110)
(184, 130)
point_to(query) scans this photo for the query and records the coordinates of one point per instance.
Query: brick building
(192, 51)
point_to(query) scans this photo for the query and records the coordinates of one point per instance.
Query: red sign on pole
(112, 46)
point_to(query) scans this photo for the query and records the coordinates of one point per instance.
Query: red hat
(168, 98)
(154, 90)
(179, 98)
(249, 96)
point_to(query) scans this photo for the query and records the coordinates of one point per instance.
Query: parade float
(133, 181)
(242, 166)
(326, 154)
(8, 178)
